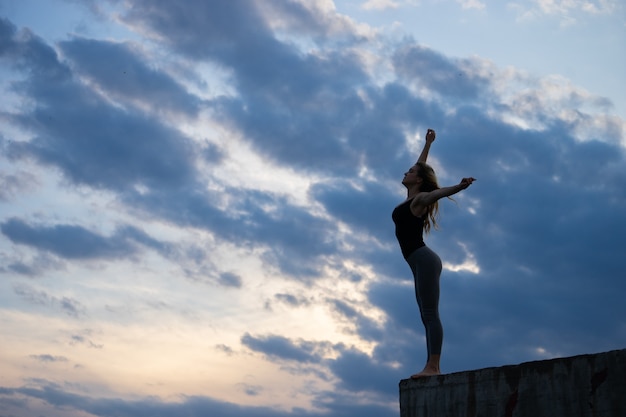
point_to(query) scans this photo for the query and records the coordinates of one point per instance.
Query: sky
(196, 198)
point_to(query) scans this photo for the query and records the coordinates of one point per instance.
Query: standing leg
(426, 267)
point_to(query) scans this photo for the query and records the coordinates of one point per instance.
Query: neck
(412, 191)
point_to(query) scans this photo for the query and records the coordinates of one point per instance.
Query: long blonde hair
(429, 183)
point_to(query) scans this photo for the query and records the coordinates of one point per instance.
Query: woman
(414, 216)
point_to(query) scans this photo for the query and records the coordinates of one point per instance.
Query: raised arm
(430, 138)
(426, 198)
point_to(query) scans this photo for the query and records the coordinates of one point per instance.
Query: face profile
(411, 176)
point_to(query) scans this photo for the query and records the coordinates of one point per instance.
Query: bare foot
(426, 372)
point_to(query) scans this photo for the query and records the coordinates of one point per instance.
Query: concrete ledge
(578, 386)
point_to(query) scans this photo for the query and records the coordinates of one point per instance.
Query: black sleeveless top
(409, 228)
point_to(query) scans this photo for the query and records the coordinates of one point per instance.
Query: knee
(430, 315)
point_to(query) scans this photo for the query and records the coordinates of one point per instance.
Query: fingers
(466, 182)
(430, 134)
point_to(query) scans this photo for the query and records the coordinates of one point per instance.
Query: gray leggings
(426, 267)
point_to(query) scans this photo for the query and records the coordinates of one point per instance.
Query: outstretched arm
(430, 138)
(426, 198)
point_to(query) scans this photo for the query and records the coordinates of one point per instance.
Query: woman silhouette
(418, 214)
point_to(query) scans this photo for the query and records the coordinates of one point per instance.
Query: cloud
(380, 5)
(292, 300)
(32, 267)
(121, 72)
(429, 69)
(17, 400)
(67, 305)
(48, 358)
(279, 347)
(225, 349)
(349, 365)
(84, 340)
(251, 390)
(304, 20)
(364, 206)
(472, 4)
(278, 109)
(229, 279)
(151, 165)
(91, 141)
(76, 242)
(291, 106)
(565, 6)
(355, 368)
(568, 10)
(13, 184)
(367, 328)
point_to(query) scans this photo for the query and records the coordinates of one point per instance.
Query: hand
(466, 182)
(430, 136)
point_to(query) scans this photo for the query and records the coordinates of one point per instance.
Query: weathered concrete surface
(578, 386)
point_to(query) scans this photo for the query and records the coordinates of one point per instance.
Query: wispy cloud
(380, 4)
(48, 358)
(569, 11)
(67, 305)
(472, 4)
